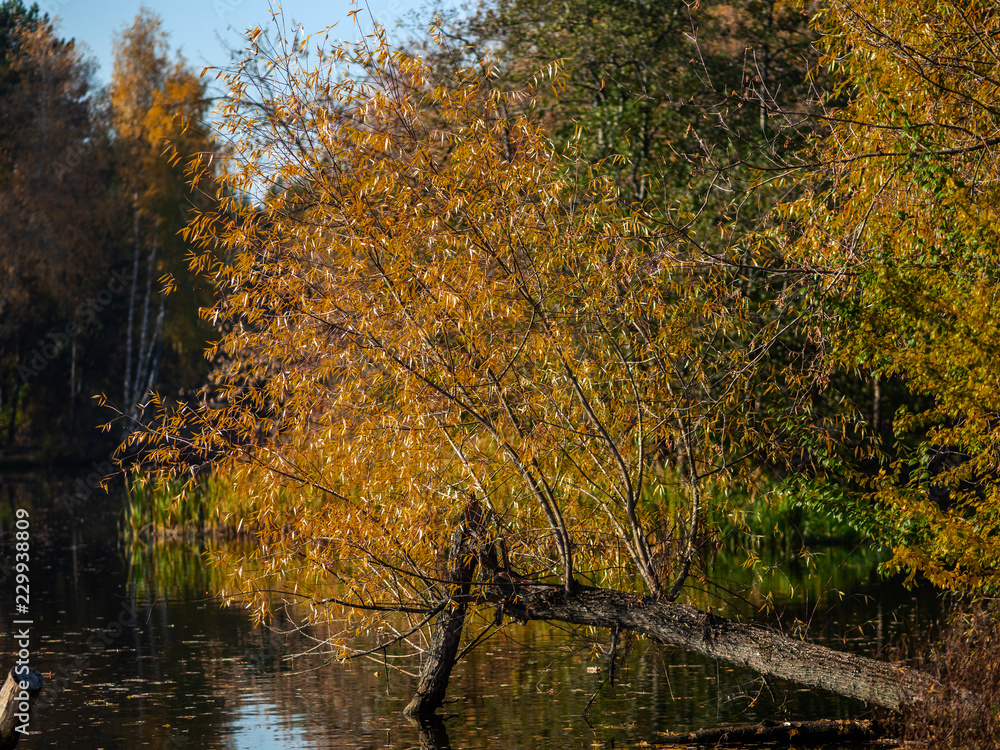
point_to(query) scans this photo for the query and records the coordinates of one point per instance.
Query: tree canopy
(52, 152)
(463, 364)
(427, 307)
(903, 203)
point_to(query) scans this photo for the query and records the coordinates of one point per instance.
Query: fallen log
(758, 648)
(17, 696)
(821, 732)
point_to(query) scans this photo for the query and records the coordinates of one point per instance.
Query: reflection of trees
(194, 665)
(433, 734)
(532, 680)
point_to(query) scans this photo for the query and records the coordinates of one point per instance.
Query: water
(138, 654)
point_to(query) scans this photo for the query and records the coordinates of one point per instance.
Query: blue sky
(202, 29)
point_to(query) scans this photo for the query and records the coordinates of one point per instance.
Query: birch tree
(158, 112)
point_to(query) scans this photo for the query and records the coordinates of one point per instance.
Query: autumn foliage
(903, 205)
(92, 203)
(434, 324)
(419, 303)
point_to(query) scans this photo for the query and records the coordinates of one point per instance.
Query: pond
(138, 653)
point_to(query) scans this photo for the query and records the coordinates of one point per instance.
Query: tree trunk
(447, 636)
(765, 651)
(15, 705)
(72, 389)
(126, 406)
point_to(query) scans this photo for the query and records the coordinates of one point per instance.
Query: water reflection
(139, 654)
(433, 733)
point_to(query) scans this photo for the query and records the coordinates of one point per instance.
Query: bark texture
(447, 634)
(758, 648)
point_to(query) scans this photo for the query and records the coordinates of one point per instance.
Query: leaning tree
(460, 383)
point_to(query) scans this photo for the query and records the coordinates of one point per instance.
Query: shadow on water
(139, 653)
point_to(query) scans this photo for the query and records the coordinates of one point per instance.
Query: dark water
(138, 654)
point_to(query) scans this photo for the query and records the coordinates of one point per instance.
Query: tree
(66, 282)
(903, 204)
(454, 359)
(158, 112)
(677, 99)
(684, 106)
(56, 217)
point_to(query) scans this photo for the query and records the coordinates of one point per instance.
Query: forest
(92, 205)
(533, 316)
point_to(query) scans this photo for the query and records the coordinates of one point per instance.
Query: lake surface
(139, 654)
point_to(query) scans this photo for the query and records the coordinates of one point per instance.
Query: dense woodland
(524, 318)
(92, 199)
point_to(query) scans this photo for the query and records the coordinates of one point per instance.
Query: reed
(205, 505)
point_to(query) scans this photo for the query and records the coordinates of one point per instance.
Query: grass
(206, 505)
(757, 542)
